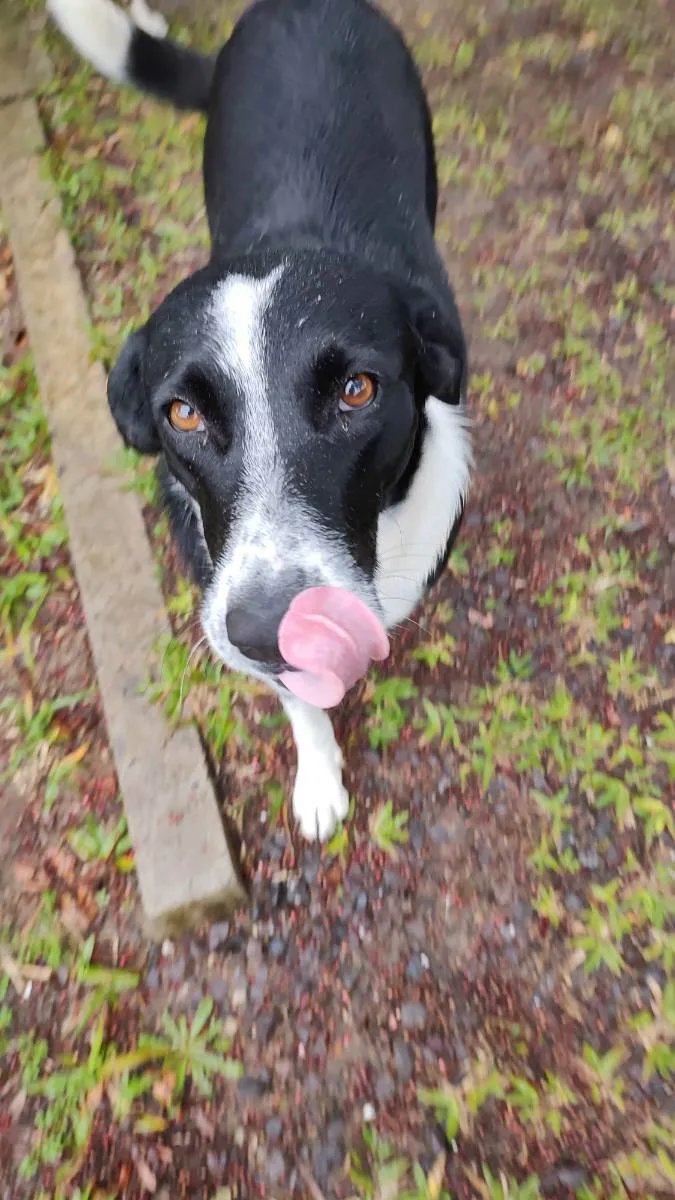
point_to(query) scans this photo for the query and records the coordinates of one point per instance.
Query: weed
(95, 842)
(502, 1187)
(602, 1071)
(73, 1093)
(387, 828)
(73, 1090)
(542, 1107)
(199, 1050)
(656, 1031)
(442, 650)
(387, 716)
(378, 1172)
(37, 727)
(456, 1108)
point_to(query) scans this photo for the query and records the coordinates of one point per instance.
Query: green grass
(128, 175)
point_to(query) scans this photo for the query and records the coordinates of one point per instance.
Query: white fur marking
(412, 535)
(271, 530)
(320, 799)
(147, 19)
(239, 308)
(99, 30)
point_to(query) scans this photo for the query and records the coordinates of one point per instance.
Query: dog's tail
(130, 48)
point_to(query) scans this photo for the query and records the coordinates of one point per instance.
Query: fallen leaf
(484, 620)
(12, 970)
(146, 1175)
(36, 971)
(205, 1127)
(63, 864)
(613, 137)
(74, 920)
(435, 1179)
(29, 877)
(162, 1088)
(150, 1123)
(17, 1105)
(75, 756)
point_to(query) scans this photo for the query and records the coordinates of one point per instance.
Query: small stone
(328, 1155)
(277, 947)
(310, 866)
(176, 971)
(278, 893)
(218, 989)
(267, 1024)
(416, 830)
(385, 1088)
(298, 893)
(413, 1015)
(218, 934)
(368, 1113)
(276, 1168)
(274, 1128)
(418, 963)
(253, 1087)
(404, 1060)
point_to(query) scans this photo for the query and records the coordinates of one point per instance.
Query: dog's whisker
(190, 656)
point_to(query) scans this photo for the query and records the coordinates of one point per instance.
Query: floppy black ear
(128, 399)
(441, 347)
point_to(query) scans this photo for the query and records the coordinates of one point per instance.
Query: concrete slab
(24, 64)
(185, 869)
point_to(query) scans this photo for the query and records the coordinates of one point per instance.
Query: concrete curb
(185, 870)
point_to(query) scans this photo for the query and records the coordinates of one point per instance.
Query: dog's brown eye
(184, 417)
(357, 391)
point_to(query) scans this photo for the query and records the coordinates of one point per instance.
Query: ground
(469, 992)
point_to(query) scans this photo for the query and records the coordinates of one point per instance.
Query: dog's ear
(441, 347)
(128, 398)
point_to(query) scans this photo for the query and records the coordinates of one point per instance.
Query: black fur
(319, 154)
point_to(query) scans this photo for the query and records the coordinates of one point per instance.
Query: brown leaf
(12, 970)
(36, 971)
(146, 1175)
(29, 877)
(484, 620)
(63, 864)
(205, 1127)
(74, 920)
(162, 1088)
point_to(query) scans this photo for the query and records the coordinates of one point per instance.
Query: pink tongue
(330, 637)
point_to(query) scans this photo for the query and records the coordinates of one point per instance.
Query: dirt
(356, 977)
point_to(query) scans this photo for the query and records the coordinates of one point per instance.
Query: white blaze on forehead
(238, 311)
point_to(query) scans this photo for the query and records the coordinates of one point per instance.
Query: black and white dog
(305, 389)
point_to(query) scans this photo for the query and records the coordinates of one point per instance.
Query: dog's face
(286, 398)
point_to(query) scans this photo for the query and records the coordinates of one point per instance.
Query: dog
(305, 392)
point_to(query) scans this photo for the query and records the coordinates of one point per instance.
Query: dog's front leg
(320, 799)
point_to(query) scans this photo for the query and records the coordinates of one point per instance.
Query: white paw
(147, 19)
(320, 799)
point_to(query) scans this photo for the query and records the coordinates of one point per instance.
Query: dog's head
(289, 399)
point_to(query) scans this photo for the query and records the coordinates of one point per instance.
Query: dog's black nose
(253, 622)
